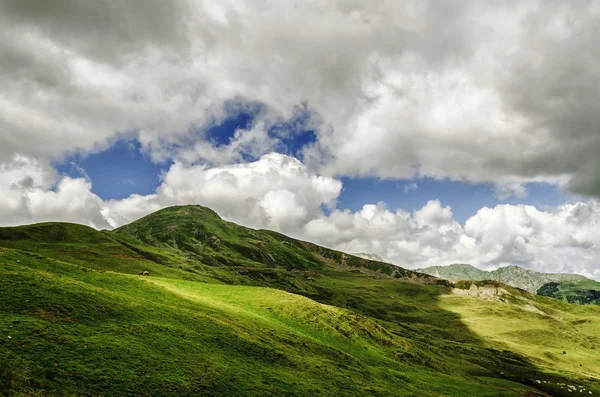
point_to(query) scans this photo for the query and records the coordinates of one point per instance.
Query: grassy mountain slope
(229, 310)
(512, 275)
(79, 245)
(73, 330)
(195, 239)
(582, 292)
(550, 333)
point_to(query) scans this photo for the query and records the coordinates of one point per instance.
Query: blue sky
(494, 108)
(117, 172)
(124, 169)
(465, 199)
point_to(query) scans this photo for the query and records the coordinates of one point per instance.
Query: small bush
(463, 284)
(10, 377)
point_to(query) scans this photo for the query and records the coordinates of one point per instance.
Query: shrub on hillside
(10, 377)
(548, 289)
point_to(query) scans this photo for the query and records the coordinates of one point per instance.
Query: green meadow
(228, 310)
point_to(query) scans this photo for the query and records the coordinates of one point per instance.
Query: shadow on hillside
(438, 339)
(413, 311)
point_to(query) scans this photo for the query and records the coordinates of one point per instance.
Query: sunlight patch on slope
(280, 309)
(563, 338)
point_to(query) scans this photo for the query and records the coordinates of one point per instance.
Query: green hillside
(514, 276)
(583, 292)
(229, 310)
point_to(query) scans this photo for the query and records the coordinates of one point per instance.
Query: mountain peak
(461, 266)
(513, 267)
(200, 235)
(188, 209)
(175, 215)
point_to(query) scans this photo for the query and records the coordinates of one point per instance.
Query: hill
(229, 310)
(580, 291)
(512, 275)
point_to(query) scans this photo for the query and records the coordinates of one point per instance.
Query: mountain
(227, 310)
(512, 275)
(372, 257)
(196, 239)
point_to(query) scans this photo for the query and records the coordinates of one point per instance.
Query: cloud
(504, 93)
(493, 105)
(32, 192)
(276, 192)
(507, 190)
(487, 92)
(429, 236)
(72, 201)
(410, 187)
(564, 239)
(252, 142)
(279, 192)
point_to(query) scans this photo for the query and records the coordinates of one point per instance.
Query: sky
(426, 132)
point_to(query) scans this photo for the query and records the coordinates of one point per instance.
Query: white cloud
(72, 201)
(32, 192)
(564, 239)
(276, 192)
(429, 236)
(279, 192)
(504, 93)
(504, 191)
(254, 141)
(466, 90)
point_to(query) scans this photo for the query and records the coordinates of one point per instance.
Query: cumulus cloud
(279, 192)
(428, 236)
(564, 239)
(497, 92)
(276, 191)
(31, 191)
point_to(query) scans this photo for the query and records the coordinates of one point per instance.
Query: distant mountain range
(512, 275)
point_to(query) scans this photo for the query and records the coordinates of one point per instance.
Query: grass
(576, 291)
(263, 315)
(80, 331)
(563, 338)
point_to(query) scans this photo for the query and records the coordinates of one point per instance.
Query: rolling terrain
(583, 292)
(229, 310)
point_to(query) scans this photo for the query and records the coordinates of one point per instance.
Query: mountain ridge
(373, 257)
(512, 275)
(229, 310)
